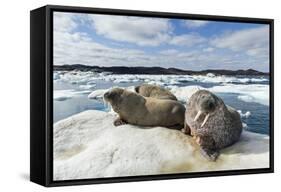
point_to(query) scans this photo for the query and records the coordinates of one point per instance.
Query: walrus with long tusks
(135, 109)
(155, 91)
(213, 124)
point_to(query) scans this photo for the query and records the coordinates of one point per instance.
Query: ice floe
(79, 77)
(244, 115)
(98, 94)
(248, 89)
(249, 93)
(87, 145)
(61, 95)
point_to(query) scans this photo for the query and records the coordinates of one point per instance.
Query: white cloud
(195, 23)
(72, 47)
(208, 49)
(141, 31)
(64, 22)
(138, 30)
(253, 42)
(187, 40)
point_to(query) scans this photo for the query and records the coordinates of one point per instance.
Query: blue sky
(107, 40)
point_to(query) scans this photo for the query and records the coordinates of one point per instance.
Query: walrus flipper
(119, 121)
(208, 149)
(209, 154)
(186, 129)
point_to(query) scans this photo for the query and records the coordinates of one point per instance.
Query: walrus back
(154, 91)
(166, 113)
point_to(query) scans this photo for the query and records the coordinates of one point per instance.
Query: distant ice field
(76, 91)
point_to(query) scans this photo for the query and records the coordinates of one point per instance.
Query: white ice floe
(62, 95)
(258, 93)
(87, 145)
(184, 93)
(98, 94)
(248, 93)
(79, 77)
(244, 115)
(89, 86)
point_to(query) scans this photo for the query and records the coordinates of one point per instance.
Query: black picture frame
(41, 102)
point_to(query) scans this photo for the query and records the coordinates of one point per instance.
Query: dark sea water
(258, 121)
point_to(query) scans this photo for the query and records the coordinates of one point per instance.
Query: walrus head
(206, 103)
(123, 100)
(114, 97)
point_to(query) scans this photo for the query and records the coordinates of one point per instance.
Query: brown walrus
(213, 124)
(155, 91)
(135, 109)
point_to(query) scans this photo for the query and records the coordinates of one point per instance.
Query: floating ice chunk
(79, 77)
(184, 93)
(56, 76)
(244, 125)
(244, 115)
(210, 75)
(246, 98)
(62, 95)
(125, 78)
(248, 93)
(87, 86)
(88, 145)
(97, 94)
(151, 82)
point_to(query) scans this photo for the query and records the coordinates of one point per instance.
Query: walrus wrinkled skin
(155, 91)
(213, 124)
(135, 109)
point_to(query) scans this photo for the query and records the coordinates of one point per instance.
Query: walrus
(135, 109)
(213, 124)
(155, 91)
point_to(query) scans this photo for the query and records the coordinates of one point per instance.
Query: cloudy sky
(106, 40)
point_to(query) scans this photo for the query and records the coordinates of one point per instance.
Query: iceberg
(88, 145)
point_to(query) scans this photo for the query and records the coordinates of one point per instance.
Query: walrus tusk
(205, 120)
(197, 115)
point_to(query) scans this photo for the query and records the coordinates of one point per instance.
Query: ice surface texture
(88, 145)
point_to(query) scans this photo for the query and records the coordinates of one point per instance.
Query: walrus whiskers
(205, 120)
(197, 115)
